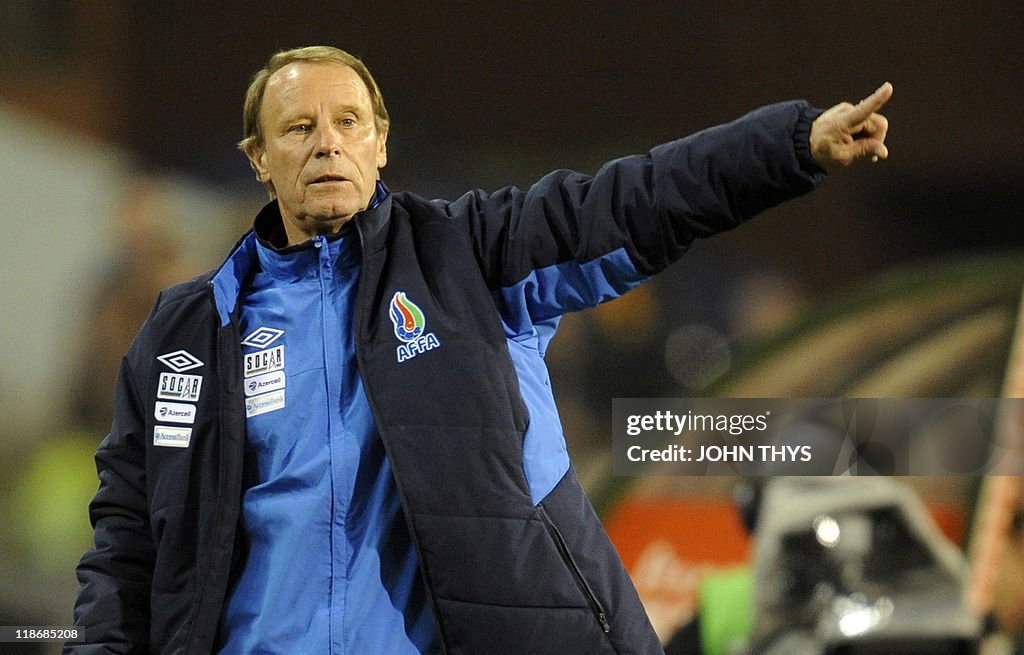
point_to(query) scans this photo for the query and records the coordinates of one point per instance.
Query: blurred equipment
(855, 566)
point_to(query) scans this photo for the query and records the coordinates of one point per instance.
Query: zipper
(338, 596)
(563, 550)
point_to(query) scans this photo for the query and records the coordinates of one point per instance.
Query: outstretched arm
(573, 240)
(846, 132)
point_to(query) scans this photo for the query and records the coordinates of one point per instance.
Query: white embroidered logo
(174, 386)
(264, 361)
(174, 412)
(180, 361)
(173, 437)
(262, 404)
(262, 337)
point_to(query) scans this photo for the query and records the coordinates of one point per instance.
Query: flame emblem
(407, 317)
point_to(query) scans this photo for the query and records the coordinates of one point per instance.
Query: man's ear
(257, 160)
(382, 150)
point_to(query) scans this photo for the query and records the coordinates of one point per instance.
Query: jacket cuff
(802, 141)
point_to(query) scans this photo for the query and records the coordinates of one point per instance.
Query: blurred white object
(856, 566)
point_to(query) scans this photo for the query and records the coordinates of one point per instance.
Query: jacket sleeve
(572, 240)
(115, 576)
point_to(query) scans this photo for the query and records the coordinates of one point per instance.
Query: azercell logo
(174, 412)
(410, 324)
(265, 383)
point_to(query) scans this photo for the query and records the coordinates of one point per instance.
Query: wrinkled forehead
(303, 86)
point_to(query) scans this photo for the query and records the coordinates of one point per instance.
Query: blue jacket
(512, 555)
(329, 565)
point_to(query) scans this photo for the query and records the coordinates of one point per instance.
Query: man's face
(321, 148)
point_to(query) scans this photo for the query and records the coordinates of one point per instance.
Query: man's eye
(348, 122)
(301, 128)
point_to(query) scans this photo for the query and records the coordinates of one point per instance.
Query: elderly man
(343, 439)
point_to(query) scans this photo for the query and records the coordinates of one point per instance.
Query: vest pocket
(570, 563)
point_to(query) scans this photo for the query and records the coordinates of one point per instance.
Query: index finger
(863, 109)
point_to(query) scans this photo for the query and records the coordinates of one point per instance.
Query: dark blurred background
(485, 94)
(119, 175)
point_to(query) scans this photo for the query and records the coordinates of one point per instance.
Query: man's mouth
(330, 177)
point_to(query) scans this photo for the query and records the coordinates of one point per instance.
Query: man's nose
(330, 141)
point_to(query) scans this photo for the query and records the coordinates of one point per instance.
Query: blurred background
(119, 175)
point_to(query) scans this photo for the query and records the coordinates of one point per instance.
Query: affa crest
(409, 328)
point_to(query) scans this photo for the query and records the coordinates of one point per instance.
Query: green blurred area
(44, 499)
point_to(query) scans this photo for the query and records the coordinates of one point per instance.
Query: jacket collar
(373, 223)
(227, 282)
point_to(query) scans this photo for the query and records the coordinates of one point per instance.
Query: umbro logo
(262, 337)
(180, 361)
